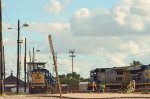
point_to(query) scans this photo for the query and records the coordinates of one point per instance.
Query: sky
(103, 33)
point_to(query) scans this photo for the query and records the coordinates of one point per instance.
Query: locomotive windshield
(40, 66)
(43, 71)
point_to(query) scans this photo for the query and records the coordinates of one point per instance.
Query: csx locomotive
(40, 79)
(119, 78)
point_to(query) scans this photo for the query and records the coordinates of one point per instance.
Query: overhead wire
(8, 18)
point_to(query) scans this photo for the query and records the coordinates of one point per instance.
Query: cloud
(67, 1)
(117, 59)
(49, 27)
(114, 37)
(129, 17)
(133, 47)
(83, 13)
(64, 40)
(9, 42)
(56, 6)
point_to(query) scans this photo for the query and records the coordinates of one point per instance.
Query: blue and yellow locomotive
(40, 79)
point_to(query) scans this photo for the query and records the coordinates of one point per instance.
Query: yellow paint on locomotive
(37, 78)
(147, 74)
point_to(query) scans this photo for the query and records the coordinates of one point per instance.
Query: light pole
(72, 56)
(33, 58)
(24, 25)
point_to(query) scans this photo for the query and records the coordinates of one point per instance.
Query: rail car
(40, 79)
(118, 78)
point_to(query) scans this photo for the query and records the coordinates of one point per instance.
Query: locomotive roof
(39, 63)
(40, 69)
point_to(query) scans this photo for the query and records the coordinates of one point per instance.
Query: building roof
(12, 80)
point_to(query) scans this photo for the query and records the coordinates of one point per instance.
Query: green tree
(72, 79)
(73, 82)
(84, 79)
(62, 76)
(73, 75)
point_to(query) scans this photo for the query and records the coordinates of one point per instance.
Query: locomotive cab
(35, 65)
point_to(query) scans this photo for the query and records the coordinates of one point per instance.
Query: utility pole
(4, 66)
(55, 64)
(56, 86)
(25, 68)
(72, 56)
(21, 41)
(18, 56)
(33, 56)
(30, 58)
(1, 51)
(29, 68)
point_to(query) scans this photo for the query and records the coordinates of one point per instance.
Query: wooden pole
(4, 67)
(1, 51)
(33, 55)
(55, 64)
(18, 60)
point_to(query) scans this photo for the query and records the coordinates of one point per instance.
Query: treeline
(72, 79)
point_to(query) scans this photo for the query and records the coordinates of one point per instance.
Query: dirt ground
(27, 97)
(104, 95)
(79, 96)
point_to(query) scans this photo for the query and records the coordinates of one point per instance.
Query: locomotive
(119, 78)
(40, 79)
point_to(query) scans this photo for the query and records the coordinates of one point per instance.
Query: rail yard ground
(80, 96)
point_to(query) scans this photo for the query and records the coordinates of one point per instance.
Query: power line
(5, 12)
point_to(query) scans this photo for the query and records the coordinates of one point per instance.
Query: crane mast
(55, 63)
